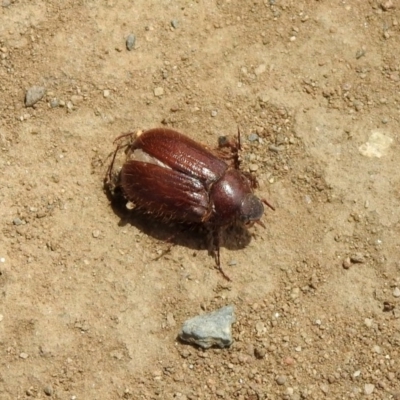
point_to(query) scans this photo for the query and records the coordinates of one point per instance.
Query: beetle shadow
(192, 236)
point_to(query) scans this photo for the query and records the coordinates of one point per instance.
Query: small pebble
(275, 148)
(387, 5)
(289, 361)
(175, 23)
(17, 221)
(33, 95)
(260, 69)
(396, 292)
(281, 379)
(259, 353)
(369, 388)
(368, 322)
(346, 86)
(48, 390)
(158, 91)
(357, 258)
(6, 3)
(358, 105)
(214, 113)
(76, 99)
(360, 53)
(253, 167)
(54, 103)
(253, 137)
(346, 263)
(376, 349)
(106, 93)
(325, 388)
(290, 391)
(130, 42)
(171, 320)
(388, 306)
(96, 233)
(1, 317)
(23, 355)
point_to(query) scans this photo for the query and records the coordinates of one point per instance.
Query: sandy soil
(89, 309)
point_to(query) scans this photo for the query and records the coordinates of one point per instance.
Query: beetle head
(251, 209)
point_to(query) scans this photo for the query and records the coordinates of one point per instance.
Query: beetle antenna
(239, 141)
(266, 202)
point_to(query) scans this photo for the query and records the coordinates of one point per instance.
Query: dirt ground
(90, 305)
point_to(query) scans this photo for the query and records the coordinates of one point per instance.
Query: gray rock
(33, 95)
(130, 41)
(54, 103)
(253, 137)
(208, 330)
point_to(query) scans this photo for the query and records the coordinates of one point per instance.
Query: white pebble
(260, 69)
(158, 91)
(369, 388)
(377, 349)
(368, 322)
(396, 292)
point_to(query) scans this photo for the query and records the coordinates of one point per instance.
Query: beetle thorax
(233, 199)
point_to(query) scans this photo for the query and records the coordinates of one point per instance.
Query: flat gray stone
(212, 329)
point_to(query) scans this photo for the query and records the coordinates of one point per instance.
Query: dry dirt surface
(92, 299)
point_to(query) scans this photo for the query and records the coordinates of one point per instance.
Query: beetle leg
(234, 146)
(216, 244)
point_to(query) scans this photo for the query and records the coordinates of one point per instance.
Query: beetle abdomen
(181, 154)
(165, 192)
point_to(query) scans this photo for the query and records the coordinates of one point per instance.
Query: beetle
(171, 176)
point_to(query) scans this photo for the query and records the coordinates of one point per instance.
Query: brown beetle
(173, 177)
